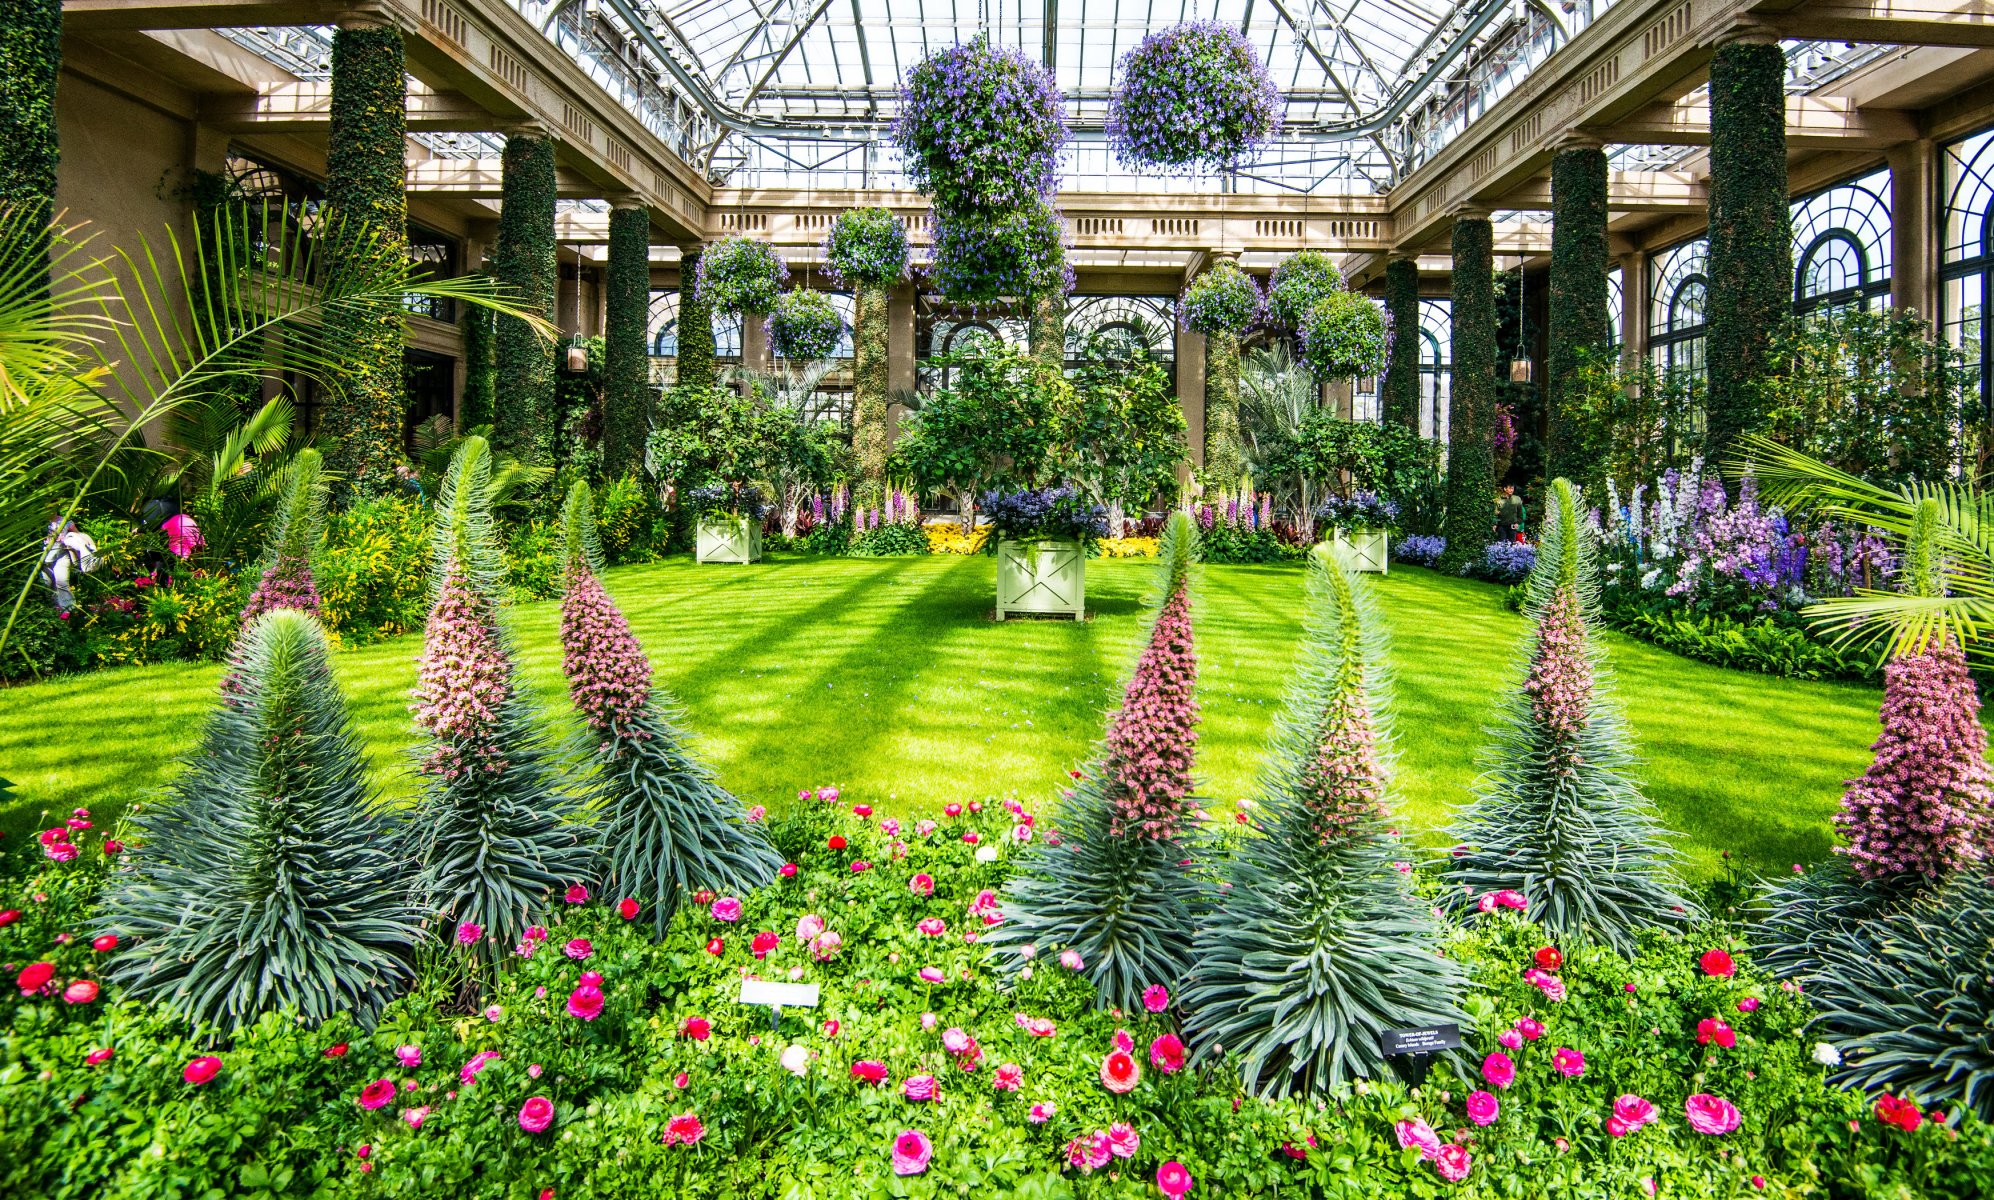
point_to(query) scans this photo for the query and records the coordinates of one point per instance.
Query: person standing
(1509, 513)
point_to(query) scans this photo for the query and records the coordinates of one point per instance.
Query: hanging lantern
(578, 358)
(1519, 370)
(1519, 367)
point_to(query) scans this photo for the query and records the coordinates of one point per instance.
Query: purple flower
(1193, 95)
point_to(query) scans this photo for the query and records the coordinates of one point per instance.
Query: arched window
(1841, 245)
(1436, 366)
(1616, 306)
(1122, 325)
(664, 338)
(1967, 255)
(1676, 307)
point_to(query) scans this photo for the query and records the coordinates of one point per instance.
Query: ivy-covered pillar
(30, 61)
(1048, 328)
(1471, 402)
(480, 397)
(1225, 456)
(1579, 321)
(626, 365)
(695, 358)
(523, 260)
(1751, 234)
(365, 183)
(871, 323)
(1400, 403)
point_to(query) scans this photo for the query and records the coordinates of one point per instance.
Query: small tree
(1128, 438)
(269, 877)
(1005, 420)
(1115, 883)
(495, 830)
(667, 825)
(1557, 816)
(1320, 945)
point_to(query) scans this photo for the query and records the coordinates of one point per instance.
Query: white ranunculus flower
(796, 1059)
(1827, 1055)
(986, 854)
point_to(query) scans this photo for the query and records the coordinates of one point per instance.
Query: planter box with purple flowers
(1042, 575)
(1368, 549)
(729, 540)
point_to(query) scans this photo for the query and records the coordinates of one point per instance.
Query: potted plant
(1042, 538)
(728, 520)
(1360, 523)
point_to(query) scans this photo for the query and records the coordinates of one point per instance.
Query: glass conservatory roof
(796, 93)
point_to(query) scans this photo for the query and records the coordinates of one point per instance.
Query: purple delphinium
(1924, 805)
(1192, 96)
(981, 127)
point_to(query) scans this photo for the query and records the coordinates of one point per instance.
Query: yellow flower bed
(946, 537)
(1128, 547)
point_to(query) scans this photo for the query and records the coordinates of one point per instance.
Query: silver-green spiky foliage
(269, 877)
(1126, 904)
(1319, 945)
(300, 516)
(1907, 996)
(494, 829)
(667, 825)
(1557, 815)
(581, 543)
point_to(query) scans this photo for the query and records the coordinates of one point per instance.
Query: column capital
(1219, 256)
(367, 14)
(626, 202)
(1403, 256)
(532, 127)
(1574, 139)
(1746, 31)
(1471, 212)
(691, 249)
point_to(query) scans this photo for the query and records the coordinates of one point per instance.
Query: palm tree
(95, 349)
(1961, 517)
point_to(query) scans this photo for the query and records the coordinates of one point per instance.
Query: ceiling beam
(1812, 122)
(306, 106)
(483, 177)
(1626, 191)
(1887, 22)
(84, 16)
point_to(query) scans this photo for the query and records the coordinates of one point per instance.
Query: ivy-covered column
(365, 182)
(480, 373)
(1400, 403)
(1048, 328)
(871, 324)
(1578, 315)
(523, 260)
(1751, 234)
(30, 61)
(626, 401)
(1471, 403)
(695, 359)
(1225, 456)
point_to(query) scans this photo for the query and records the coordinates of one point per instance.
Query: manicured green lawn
(887, 678)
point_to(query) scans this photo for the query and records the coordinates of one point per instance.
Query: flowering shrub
(981, 128)
(1056, 512)
(373, 570)
(866, 247)
(804, 325)
(1420, 549)
(1018, 253)
(947, 537)
(1194, 95)
(1223, 299)
(1127, 547)
(739, 275)
(1344, 335)
(1303, 280)
(1359, 510)
(1506, 563)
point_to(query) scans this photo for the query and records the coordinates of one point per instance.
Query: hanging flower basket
(1223, 299)
(1302, 280)
(1344, 336)
(981, 128)
(805, 326)
(738, 276)
(867, 247)
(980, 259)
(1193, 96)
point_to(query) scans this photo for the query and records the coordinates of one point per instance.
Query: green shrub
(887, 541)
(627, 519)
(1768, 645)
(373, 569)
(533, 561)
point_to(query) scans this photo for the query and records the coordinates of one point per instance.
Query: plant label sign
(765, 994)
(1430, 1039)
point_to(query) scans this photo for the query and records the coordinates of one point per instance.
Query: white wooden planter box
(730, 540)
(1367, 549)
(1048, 576)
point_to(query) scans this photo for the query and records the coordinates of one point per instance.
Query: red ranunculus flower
(1120, 1072)
(338, 1050)
(577, 894)
(837, 842)
(377, 1094)
(83, 991)
(103, 942)
(787, 871)
(1549, 958)
(869, 1071)
(716, 947)
(764, 943)
(1166, 1054)
(697, 1028)
(627, 908)
(101, 1054)
(1718, 963)
(8, 916)
(683, 1130)
(202, 1069)
(34, 977)
(1896, 1110)
(585, 1002)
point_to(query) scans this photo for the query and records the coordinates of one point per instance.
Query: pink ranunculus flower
(577, 894)
(1036, 1026)
(684, 1130)
(1124, 1042)
(1530, 1027)
(825, 946)
(1166, 1054)
(578, 948)
(1452, 1163)
(468, 933)
(536, 1114)
(954, 1040)
(726, 908)
(1710, 1114)
(468, 1073)
(415, 1116)
(1509, 1039)
(409, 1056)
(932, 926)
(585, 1002)
(1569, 1063)
(1415, 1133)
(1123, 1140)
(1483, 1107)
(911, 1152)
(1499, 1070)
(1633, 1110)
(927, 1020)
(809, 926)
(1009, 1078)
(890, 827)
(377, 1094)
(1156, 998)
(932, 975)
(1173, 1180)
(919, 1087)
(1070, 959)
(1120, 1072)
(922, 884)
(1042, 1112)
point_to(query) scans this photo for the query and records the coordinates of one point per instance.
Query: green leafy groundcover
(661, 1084)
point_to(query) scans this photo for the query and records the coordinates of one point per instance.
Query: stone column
(523, 260)
(366, 194)
(754, 342)
(626, 367)
(1190, 354)
(695, 357)
(1577, 310)
(1751, 234)
(902, 365)
(1398, 399)
(872, 371)
(1225, 459)
(1914, 251)
(1048, 328)
(1471, 401)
